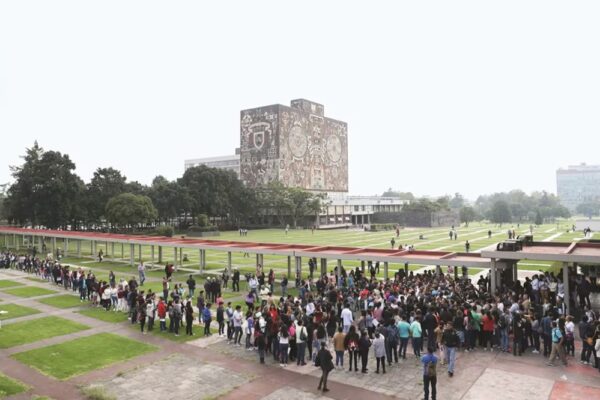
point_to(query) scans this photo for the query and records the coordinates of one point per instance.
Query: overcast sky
(445, 96)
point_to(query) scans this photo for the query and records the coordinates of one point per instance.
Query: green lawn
(5, 283)
(9, 386)
(79, 356)
(63, 301)
(32, 279)
(37, 329)
(29, 291)
(16, 311)
(102, 315)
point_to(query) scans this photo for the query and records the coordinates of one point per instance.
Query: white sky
(470, 96)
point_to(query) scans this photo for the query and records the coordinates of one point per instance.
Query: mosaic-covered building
(297, 146)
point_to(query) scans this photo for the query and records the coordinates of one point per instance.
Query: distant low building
(231, 162)
(578, 184)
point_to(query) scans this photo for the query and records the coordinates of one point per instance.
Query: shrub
(209, 228)
(164, 231)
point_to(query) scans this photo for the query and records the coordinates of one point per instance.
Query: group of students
(352, 315)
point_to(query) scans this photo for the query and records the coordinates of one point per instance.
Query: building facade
(297, 146)
(578, 184)
(231, 163)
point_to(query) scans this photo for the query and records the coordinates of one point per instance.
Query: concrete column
(203, 258)
(41, 244)
(200, 266)
(229, 262)
(515, 272)
(92, 248)
(160, 258)
(465, 272)
(16, 242)
(53, 246)
(122, 250)
(323, 266)
(79, 248)
(289, 262)
(181, 256)
(299, 266)
(362, 265)
(339, 269)
(493, 277)
(456, 272)
(140, 251)
(131, 254)
(106, 247)
(175, 257)
(438, 270)
(406, 268)
(66, 249)
(112, 250)
(152, 253)
(567, 298)
(257, 260)
(386, 270)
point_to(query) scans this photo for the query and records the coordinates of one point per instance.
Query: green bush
(164, 231)
(383, 227)
(209, 228)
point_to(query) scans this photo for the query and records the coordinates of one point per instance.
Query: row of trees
(47, 192)
(513, 206)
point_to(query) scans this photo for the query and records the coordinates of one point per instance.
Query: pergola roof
(294, 250)
(576, 252)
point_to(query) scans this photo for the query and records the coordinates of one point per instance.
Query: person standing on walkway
(557, 346)
(403, 328)
(364, 344)
(416, 334)
(347, 318)
(301, 337)
(429, 361)
(324, 360)
(338, 346)
(379, 350)
(351, 344)
(162, 314)
(467, 246)
(451, 341)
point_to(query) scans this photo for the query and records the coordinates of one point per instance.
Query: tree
(467, 214)
(400, 195)
(46, 191)
(303, 203)
(105, 184)
(129, 210)
(538, 218)
(500, 212)
(589, 209)
(165, 197)
(457, 202)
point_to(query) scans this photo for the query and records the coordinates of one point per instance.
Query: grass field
(16, 311)
(9, 386)
(5, 283)
(37, 329)
(79, 356)
(102, 315)
(29, 291)
(63, 301)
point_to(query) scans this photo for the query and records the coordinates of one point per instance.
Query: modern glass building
(578, 184)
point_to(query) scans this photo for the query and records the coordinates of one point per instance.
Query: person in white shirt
(347, 318)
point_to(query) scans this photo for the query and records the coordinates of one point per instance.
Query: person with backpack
(324, 360)
(391, 343)
(351, 344)
(301, 338)
(429, 361)
(364, 343)
(558, 340)
(451, 341)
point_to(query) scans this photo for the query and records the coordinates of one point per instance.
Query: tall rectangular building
(297, 146)
(578, 184)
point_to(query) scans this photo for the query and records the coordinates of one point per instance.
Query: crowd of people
(352, 315)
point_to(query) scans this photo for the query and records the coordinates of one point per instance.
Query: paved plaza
(211, 368)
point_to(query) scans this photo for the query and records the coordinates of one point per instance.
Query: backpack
(431, 371)
(502, 322)
(303, 334)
